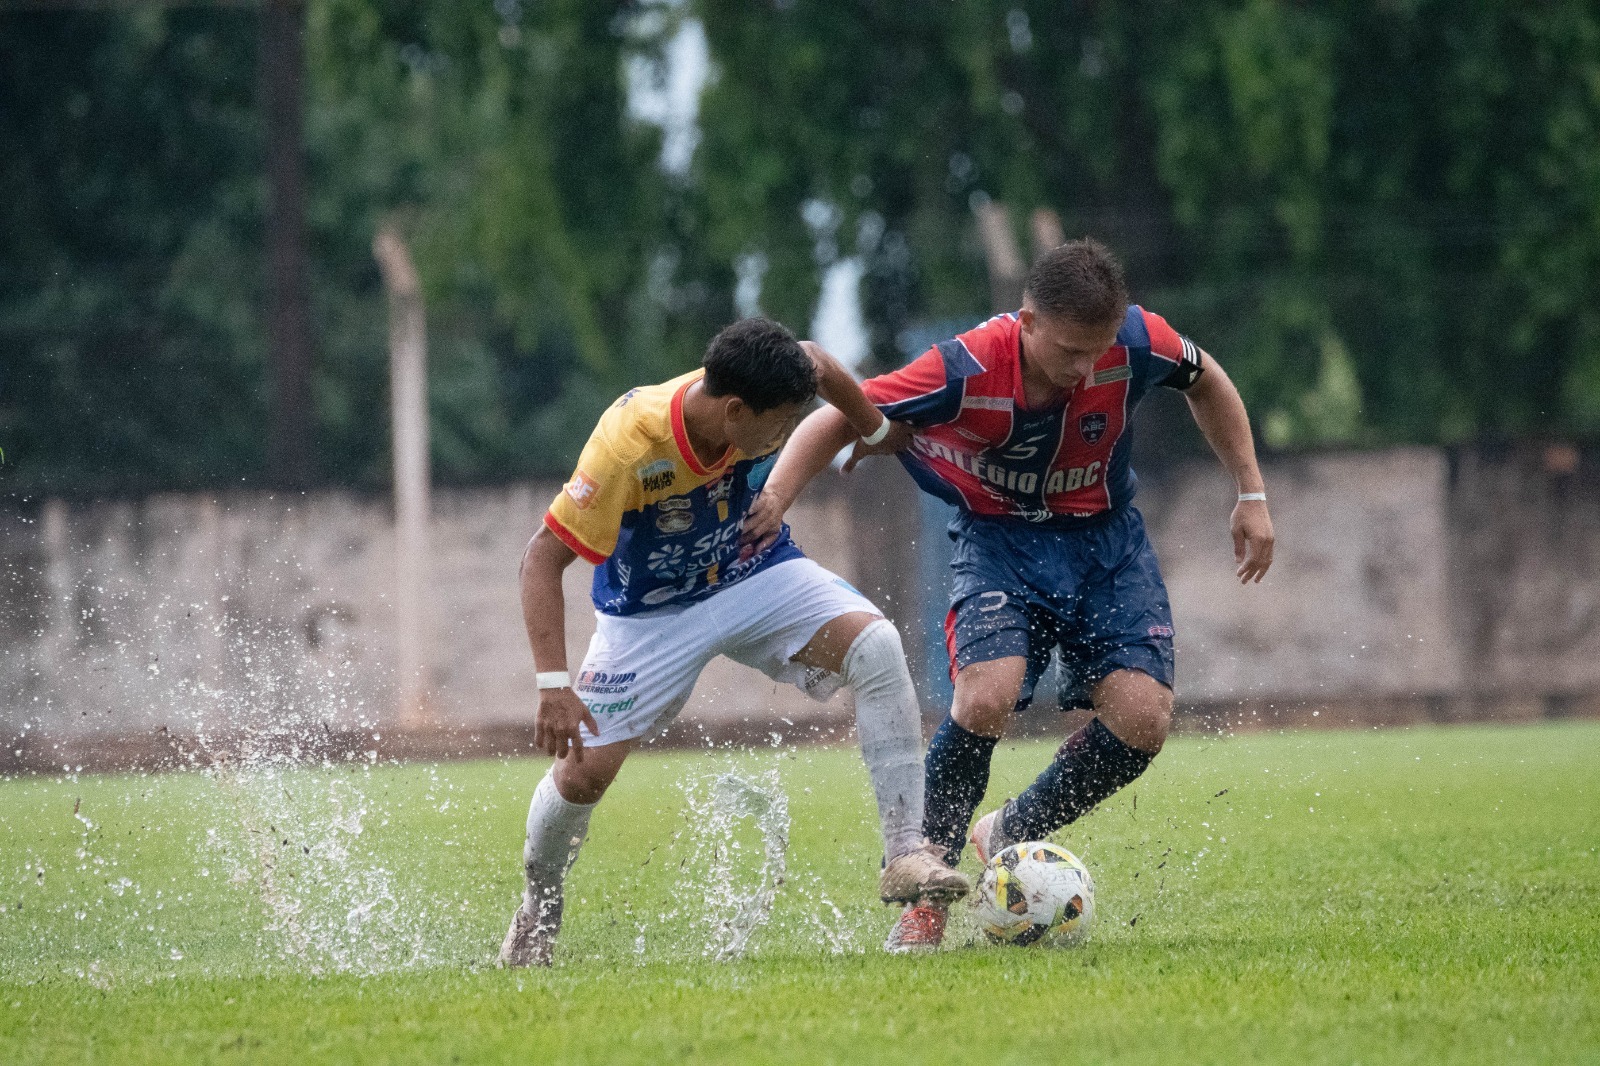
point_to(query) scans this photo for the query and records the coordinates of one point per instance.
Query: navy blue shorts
(1095, 592)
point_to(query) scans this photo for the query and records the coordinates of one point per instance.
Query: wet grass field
(1424, 895)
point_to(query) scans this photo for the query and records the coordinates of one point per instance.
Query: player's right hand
(762, 524)
(556, 722)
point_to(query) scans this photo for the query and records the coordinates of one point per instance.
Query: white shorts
(641, 668)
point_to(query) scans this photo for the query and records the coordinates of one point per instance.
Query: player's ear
(1026, 317)
(735, 409)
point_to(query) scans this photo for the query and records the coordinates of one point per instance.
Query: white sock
(556, 830)
(889, 725)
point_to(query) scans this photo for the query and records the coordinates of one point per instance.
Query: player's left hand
(1252, 540)
(762, 523)
(898, 440)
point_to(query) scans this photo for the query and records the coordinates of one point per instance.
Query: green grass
(1410, 896)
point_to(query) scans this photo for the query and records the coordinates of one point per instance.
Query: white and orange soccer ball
(1035, 893)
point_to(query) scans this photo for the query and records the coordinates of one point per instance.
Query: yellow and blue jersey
(658, 526)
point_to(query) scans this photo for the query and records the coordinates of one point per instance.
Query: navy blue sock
(1091, 765)
(957, 769)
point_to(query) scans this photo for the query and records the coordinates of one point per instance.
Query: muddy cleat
(920, 928)
(988, 837)
(531, 940)
(920, 873)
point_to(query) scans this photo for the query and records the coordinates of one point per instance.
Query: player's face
(1062, 349)
(758, 433)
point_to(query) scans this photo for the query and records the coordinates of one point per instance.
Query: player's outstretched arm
(811, 447)
(1220, 413)
(839, 388)
(555, 724)
(848, 416)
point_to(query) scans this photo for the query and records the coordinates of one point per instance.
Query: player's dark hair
(760, 362)
(1080, 280)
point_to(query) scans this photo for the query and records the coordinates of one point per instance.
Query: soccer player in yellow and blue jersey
(657, 504)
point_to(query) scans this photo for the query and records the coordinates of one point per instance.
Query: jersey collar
(680, 435)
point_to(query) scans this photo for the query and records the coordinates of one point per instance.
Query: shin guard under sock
(957, 770)
(556, 828)
(1091, 765)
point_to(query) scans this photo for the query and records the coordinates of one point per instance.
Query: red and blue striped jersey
(980, 448)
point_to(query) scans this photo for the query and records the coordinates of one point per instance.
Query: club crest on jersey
(757, 477)
(1092, 426)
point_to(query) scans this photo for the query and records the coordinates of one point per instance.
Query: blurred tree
(498, 136)
(1384, 219)
(132, 200)
(291, 456)
(130, 215)
(1381, 217)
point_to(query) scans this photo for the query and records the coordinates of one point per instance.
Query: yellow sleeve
(587, 513)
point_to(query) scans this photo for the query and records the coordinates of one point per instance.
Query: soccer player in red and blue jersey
(1022, 424)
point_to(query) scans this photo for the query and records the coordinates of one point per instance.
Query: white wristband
(1246, 497)
(554, 679)
(877, 435)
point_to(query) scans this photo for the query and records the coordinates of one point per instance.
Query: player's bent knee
(987, 694)
(876, 656)
(584, 782)
(1136, 707)
(984, 713)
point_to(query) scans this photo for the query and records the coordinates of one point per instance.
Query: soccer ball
(1035, 893)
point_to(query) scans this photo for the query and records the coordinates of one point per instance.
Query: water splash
(738, 836)
(331, 904)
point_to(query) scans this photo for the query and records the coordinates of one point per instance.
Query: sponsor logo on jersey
(719, 489)
(676, 503)
(604, 684)
(1161, 631)
(666, 561)
(582, 489)
(673, 522)
(989, 403)
(622, 401)
(1078, 477)
(661, 595)
(612, 708)
(1115, 373)
(1092, 426)
(658, 476)
(1025, 449)
(989, 602)
(1000, 477)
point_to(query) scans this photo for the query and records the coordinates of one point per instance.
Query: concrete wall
(1357, 596)
(1410, 584)
(272, 618)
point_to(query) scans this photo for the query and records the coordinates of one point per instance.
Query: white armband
(877, 435)
(554, 679)
(1246, 497)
